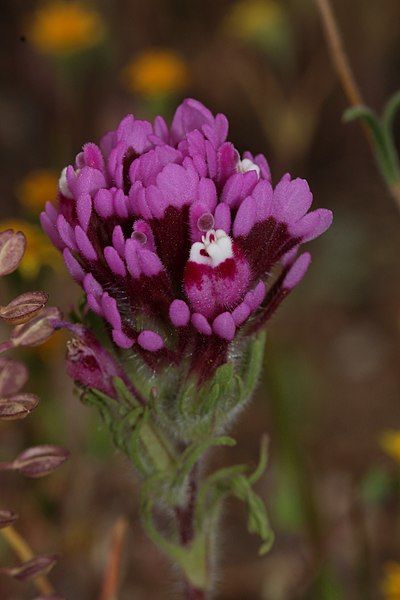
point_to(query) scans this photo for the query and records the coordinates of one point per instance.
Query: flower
(36, 189)
(391, 581)
(173, 237)
(261, 21)
(63, 27)
(41, 252)
(390, 443)
(156, 72)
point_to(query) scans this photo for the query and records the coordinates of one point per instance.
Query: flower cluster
(173, 234)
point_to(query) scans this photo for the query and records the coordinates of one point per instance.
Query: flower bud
(40, 565)
(24, 307)
(37, 330)
(7, 518)
(13, 375)
(12, 248)
(18, 406)
(39, 460)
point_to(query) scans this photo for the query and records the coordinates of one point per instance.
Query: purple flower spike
(175, 230)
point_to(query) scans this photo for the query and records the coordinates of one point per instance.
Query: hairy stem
(24, 553)
(185, 520)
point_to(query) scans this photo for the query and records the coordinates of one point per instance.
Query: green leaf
(390, 111)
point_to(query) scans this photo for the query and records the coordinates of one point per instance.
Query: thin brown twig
(346, 76)
(24, 553)
(338, 53)
(112, 572)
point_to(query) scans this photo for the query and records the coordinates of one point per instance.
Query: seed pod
(40, 460)
(7, 518)
(17, 406)
(12, 248)
(36, 331)
(40, 565)
(24, 307)
(13, 375)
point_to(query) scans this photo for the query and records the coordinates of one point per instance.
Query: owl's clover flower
(173, 236)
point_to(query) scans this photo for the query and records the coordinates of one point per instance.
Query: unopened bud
(37, 330)
(7, 518)
(24, 307)
(18, 406)
(13, 375)
(12, 248)
(40, 565)
(40, 460)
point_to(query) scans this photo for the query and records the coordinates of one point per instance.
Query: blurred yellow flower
(63, 27)
(156, 72)
(390, 443)
(263, 21)
(39, 252)
(36, 189)
(391, 581)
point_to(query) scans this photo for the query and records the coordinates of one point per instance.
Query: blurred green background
(329, 397)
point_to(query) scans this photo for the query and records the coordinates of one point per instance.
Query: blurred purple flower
(172, 234)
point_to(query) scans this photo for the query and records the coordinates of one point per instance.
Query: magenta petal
(263, 195)
(197, 210)
(93, 156)
(120, 202)
(255, 296)
(122, 340)
(222, 217)
(94, 304)
(190, 115)
(131, 258)
(142, 227)
(51, 230)
(241, 313)
(312, 225)
(110, 310)
(200, 322)
(155, 201)
(103, 204)
(84, 244)
(292, 199)
(245, 218)
(92, 286)
(179, 313)
(73, 266)
(207, 193)
(224, 326)
(297, 271)
(134, 133)
(151, 341)
(84, 210)
(178, 185)
(66, 232)
(118, 240)
(149, 262)
(114, 261)
(88, 180)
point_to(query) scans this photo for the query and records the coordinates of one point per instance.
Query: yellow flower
(36, 189)
(63, 27)
(390, 443)
(39, 252)
(259, 20)
(156, 72)
(391, 581)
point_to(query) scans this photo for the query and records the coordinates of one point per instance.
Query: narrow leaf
(40, 460)
(40, 565)
(12, 248)
(24, 307)
(18, 406)
(13, 376)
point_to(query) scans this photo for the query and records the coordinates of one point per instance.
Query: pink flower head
(172, 235)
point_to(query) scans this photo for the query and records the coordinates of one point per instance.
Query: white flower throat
(215, 247)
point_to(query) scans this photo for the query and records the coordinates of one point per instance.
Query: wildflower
(36, 189)
(173, 235)
(391, 581)
(261, 21)
(156, 72)
(63, 27)
(390, 443)
(41, 252)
